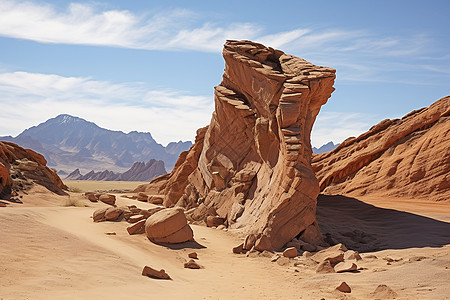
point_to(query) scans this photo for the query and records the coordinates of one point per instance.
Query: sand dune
(56, 252)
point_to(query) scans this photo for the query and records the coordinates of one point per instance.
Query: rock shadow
(185, 245)
(365, 227)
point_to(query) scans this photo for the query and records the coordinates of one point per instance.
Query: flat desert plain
(51, 249)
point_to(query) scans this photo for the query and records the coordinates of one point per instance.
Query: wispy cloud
(337, 126)
(30, 98)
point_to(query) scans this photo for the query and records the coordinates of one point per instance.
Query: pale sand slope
(59, 253)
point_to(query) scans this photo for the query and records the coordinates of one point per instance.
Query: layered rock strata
(407, 157)
(252, 164)
(21, 168)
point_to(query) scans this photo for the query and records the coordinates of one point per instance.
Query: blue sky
(152, 65)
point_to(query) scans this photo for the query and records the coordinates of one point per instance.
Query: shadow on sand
(185, 245)
(364, 227)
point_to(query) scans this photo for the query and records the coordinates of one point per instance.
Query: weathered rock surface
(168, 226)
(256, 152)
(407, 157)
(21, 168)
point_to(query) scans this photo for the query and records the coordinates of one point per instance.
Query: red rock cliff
(252, 164)
(21, 168)
(408, 157)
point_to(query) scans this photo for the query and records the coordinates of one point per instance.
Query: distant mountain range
(69, 143)
(140, 171)
(325, 148)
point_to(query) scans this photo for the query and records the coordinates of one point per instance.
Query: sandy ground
(49, 251)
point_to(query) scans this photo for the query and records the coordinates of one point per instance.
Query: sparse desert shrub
(70, 201)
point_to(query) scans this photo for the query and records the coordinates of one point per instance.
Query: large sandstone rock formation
(408, 157)
(22, 168)
(252, 164)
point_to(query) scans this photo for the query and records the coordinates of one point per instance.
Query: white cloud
(337, 126)
(28, 99)
(88, 24)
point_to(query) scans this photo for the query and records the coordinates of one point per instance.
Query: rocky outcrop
(168, 226)
(407, 157)
(255, 156)
(140, 171)
(21, 168)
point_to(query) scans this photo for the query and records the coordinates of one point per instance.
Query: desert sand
(57, 252)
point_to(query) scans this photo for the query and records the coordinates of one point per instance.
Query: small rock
(249, 241)
(266, 253)
(110, 233)
(135, 218)
(142, 197)
(150, 272)
(283, 261)
(92, 197)
(307, 254)
(214, 221)
(344, 287)
(346, 266)
(136, 228)
(275, 258)
(324, 267)
(290, 252)
(108, 199)
(193, 255)
(384, 292)
(221, 227)
(191, 264)
(352, 255)
(238, 249)
(252, 253)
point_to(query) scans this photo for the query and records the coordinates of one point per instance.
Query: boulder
(99, 215)
(154, 199)
(290, 252)
(333, 254)
(214, 221)
(107, 199)
(344, 287)
(136, 228)
(168, 226)
(150, 272)
(346, 266)
(113, 213)
(256, 151)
